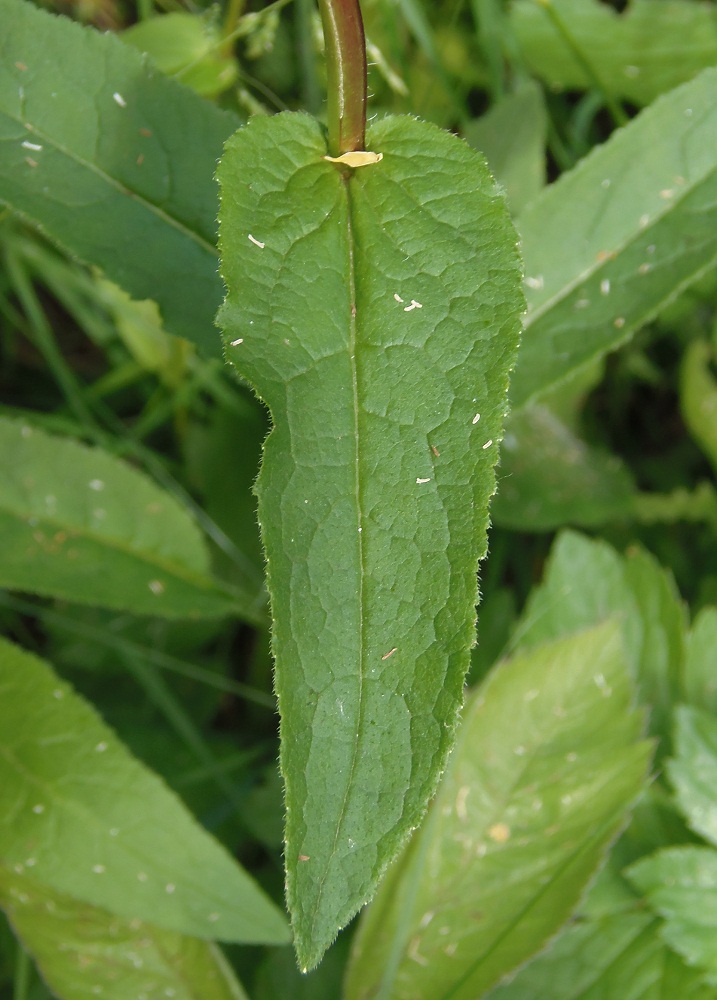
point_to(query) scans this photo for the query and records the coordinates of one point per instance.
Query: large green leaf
(77, 523)
(113, 161)
(653, 46)
(79, 815)
(618, 236)
(83, 951)
(376, 311)
(546, 764)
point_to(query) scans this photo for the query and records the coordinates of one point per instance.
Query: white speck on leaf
(606, 183)
(96, 485)
(31, 145)
(488, 443)
(58, 693)
(390, 653)
(257, 243)
(413, 305)
(644, 221)
(119, 99)
(98, 869)
(169, 888)
(235, 343)
(156, 586)
(397, 297)
(461, 797)
(141, 876)
(476, 418)
(101, 747)
(535, 283)
(605, 286)
(421, 481)
(666, 193)
(619, 322)
(38, 809)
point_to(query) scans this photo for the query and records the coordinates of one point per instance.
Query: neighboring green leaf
(548, 760)
(114, 161)
(549, 477)
(583, 585)
(681, 885)
(586, 582)
(700, 673)
(618, 236)
(81, 816)
(186, 46)
(693, 770)
(653, 46)
(621, 957)
(377, 314)
(77, 523)
(512, 137)
(83, 951)
(698, 397)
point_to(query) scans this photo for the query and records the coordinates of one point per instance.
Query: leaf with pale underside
(620, 235)
(80, 816)
(79, 524)
(547, 762)
(82, 950)
(113, 161)
(376, 312)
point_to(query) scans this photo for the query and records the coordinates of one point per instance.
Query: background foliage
(601, 581)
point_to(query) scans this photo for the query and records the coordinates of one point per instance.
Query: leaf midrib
(117, 185)
(352, 345)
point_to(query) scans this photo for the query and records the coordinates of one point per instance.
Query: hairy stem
(346, 74)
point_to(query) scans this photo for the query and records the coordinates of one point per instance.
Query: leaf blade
(371, 412)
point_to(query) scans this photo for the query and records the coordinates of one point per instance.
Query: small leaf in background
(377, 315)
(653, 46)
(512, 137)
(680, 884)
(79, 524)
(586, 582)
(139, 326)
(693, 770)
(81, 816)
(94, 149)
(698, 397)
(618, 236)
(83, 951)
(549, 477)
(547, 762)
(700, 673)
(188, 47)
